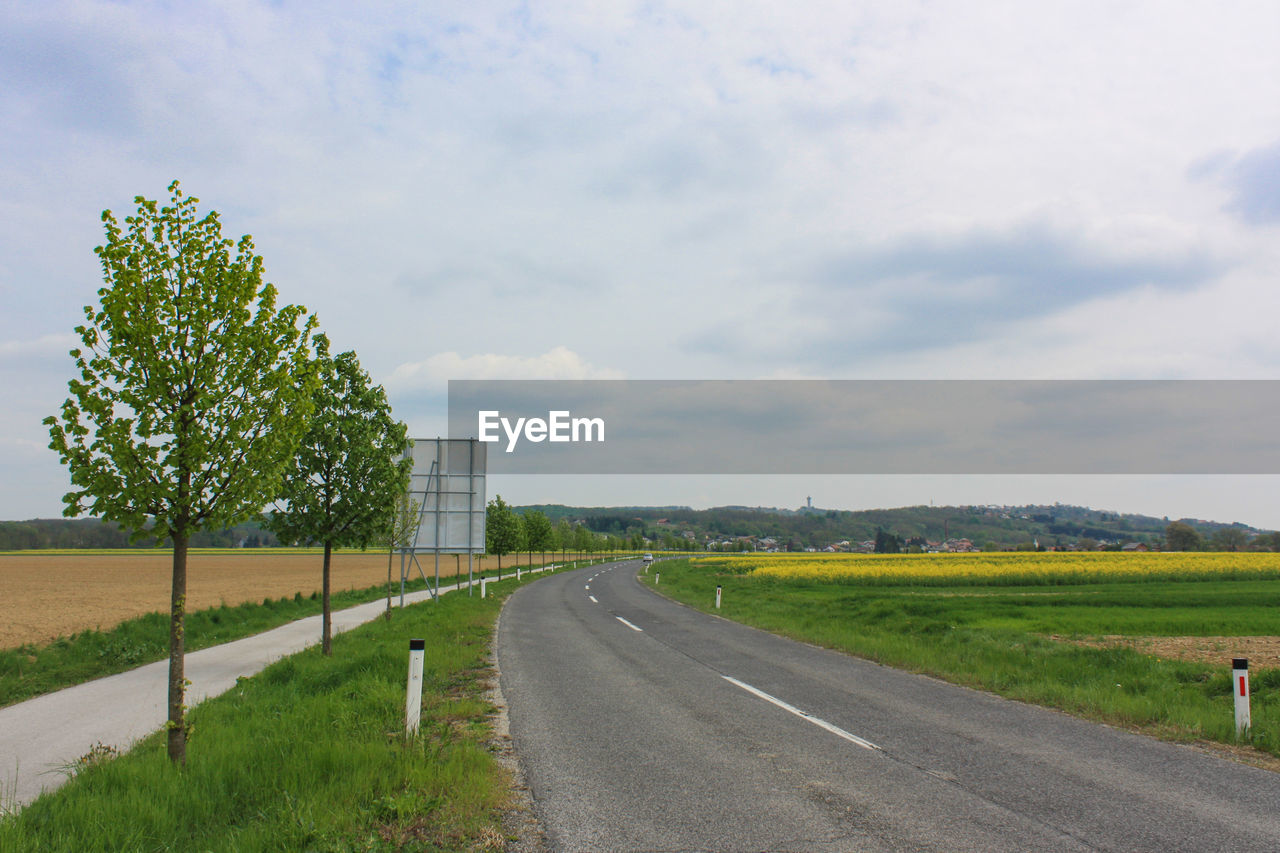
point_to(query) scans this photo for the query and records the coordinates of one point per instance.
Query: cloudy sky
(674, 190)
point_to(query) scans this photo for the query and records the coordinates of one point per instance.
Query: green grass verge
(30, 670)
(998, 640)
(310, 754)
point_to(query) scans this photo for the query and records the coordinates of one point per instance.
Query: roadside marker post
(518, 576)
(717, 596)
(484, 586)
(1240, 685)
(413, 701)
(657, 576)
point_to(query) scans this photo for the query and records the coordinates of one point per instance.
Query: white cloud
(655, 186)
(557, 363)
(41, 347)
(25, 446)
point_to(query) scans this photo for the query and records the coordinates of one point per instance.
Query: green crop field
(1109, 648)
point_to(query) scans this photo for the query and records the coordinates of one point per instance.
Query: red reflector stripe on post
(1244, 689)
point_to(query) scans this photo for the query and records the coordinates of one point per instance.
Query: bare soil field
(46, 596)
(1261, 652)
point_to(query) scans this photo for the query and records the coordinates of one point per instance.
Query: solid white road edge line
(628, 624)
(817, 721)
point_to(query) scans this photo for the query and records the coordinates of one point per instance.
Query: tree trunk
(177, 725)
(325, 627)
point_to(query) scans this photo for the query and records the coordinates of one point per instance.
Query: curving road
(645, 725)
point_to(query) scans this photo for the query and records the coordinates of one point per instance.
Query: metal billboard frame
(447, 481)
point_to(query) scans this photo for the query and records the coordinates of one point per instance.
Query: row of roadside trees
(510, 532)
(199, 401)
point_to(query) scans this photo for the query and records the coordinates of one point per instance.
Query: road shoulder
(520, 823)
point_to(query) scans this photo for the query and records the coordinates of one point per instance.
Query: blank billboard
(448, 485)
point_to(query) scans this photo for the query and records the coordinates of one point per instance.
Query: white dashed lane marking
(804, 715)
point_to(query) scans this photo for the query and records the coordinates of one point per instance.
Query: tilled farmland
(44, 596)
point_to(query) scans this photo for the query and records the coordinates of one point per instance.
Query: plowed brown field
(46, 596)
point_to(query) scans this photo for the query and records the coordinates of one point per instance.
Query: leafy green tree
(553, 540)
(1228, 539)
(1180, 536)
(191, 400)
(350, 468)
(538, 532)
(503, 531)
(887, 543)
(584, 539)
(1266, 541)
(564, 537)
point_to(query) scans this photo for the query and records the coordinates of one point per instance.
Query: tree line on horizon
(911, 527)
(94, 533)
(636, 528)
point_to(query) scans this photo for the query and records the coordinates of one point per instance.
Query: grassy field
(1127, 646)
(309, 755)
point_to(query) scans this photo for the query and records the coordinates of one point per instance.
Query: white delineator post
(1240, 687)
(717, 596)
(413, 702)
(657, 576)
(518, 572)
(484, 587)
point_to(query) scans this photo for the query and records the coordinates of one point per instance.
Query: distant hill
(986, 527)
(558, 511)
(729, 527)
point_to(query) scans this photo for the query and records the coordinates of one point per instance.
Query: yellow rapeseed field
(1000, 568)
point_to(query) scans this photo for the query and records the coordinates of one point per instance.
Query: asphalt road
(645, 725)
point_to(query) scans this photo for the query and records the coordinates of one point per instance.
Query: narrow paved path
(646, 725)
(44, 734)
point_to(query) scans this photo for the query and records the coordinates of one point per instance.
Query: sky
(656, 190)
